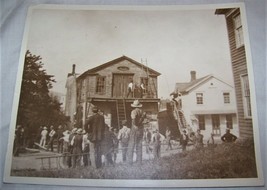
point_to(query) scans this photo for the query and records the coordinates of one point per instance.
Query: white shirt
(52, 133)
(44, 133)
(124, 132)
(130, 85)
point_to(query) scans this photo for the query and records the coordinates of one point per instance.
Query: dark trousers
(130, 92)
(50, 144)
(60, 146)
(95, 154)
(86, 155)
(124, 147)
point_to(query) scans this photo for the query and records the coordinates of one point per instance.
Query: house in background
(106, 86)
(209, 104)
(240, 71)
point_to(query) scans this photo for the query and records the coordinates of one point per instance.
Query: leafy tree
(36, 107)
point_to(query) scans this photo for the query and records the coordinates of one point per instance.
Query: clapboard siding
(239, 66)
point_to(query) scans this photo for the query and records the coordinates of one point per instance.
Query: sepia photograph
(135, 96)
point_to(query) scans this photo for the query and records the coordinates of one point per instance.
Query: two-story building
(208, 103)
(106, 86)
(239, 66)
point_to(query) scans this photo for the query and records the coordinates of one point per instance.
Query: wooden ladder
(121, 110)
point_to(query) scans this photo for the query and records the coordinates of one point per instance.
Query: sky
(174, 42)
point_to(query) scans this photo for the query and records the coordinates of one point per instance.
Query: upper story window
(199, 98)
(226, 97)
(100, 84)
(246, 95)
(239, 39)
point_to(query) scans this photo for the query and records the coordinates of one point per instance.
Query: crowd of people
(97, 140)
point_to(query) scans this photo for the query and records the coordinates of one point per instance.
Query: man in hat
(71, 136)
(184, 140)
(52, 135)
(130, 89)
(199, 140)
(228, 137)
(60, 139)
(136, 133)
(156, 144)
(123, 137)
(43, 137)
(95, 127)
(76, 142)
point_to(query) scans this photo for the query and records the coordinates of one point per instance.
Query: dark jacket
(228, 137)
(95, 127)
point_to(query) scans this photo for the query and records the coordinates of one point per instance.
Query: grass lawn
(235, 160)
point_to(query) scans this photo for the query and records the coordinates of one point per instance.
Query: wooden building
(106, 86)
(239, 66)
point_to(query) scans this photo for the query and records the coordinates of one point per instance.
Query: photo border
(136, 183)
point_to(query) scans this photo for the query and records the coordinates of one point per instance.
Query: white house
(208, 103)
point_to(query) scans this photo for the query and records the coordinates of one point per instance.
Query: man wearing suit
(95, 127)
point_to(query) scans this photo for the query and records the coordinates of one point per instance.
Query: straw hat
(45, 128)
(136, 104)
(74, 130)
(67, 132)
(80, 131)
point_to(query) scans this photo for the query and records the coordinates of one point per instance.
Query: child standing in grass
(123, 137)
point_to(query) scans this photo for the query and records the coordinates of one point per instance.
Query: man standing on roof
(136, 133)
(95, 127)
(130, 89)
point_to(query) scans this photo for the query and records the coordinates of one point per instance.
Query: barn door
(120, 85)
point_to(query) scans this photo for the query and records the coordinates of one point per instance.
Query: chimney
(193, 75)
(73, 69)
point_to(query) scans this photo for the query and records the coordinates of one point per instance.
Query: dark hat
(95, 109)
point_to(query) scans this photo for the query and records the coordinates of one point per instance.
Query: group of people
(197, 139)
(47, 138)
(102, 141)
(132, 87)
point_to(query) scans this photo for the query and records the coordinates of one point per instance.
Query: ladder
(121, 110)
(181, 120)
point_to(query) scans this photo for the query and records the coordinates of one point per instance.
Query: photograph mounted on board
(135, 95)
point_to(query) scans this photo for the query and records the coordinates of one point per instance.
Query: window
(239, 39)
(229, 121)
(226, 97)
(199, 97)
(246, 95)
(100, 85)
(201, 122)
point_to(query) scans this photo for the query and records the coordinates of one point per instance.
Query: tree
(36, 107)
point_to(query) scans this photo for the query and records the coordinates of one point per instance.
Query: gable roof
(184, 88)
(105, 65)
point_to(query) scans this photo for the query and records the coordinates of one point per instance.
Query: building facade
(239, 66)
(208, 104)
(106, 87)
